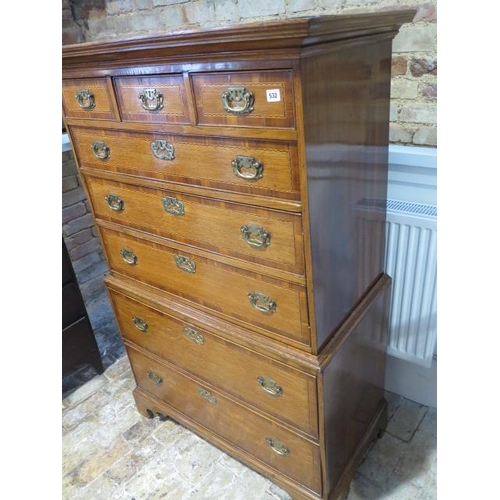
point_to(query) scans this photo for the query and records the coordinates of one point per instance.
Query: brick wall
(79, 232)
(72, 32)
(414, 83)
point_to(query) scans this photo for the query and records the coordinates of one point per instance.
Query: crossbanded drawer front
(247, 166)
(276, 306)
(159, 99)
(247, 99)
(91, 98)
(274, 387)
(264, 236)
(263, 438)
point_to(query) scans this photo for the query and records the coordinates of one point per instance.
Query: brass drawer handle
(100, 150)
(255, 236)
(151, 100)
(185, 264)
(173, 205)
(237, 95)
(193, 335)
(140, 324)
(262, 303)
(247, 167)
(278, 447)
(159, 146)
(128, 256)
(207, 395)
(114, 202)
(86, 99)
(270, 386)
(155, 378)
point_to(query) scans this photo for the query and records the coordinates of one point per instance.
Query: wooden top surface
(293, 33)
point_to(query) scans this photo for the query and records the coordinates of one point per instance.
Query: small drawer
(274, 387)
(91, 98)
(258, 235)
(276, 306)
(264, 438)
(159, 99)
(256, 167)
(245, 99)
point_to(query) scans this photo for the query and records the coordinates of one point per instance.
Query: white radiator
(411, 261)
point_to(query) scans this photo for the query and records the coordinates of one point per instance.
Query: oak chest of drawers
(237, 177)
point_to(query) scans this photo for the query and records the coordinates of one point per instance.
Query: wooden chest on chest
(237, 179)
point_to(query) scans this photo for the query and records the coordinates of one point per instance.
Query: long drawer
(248, 166)
(264, 236)
(273, 305)
(264, 438)
(270, 385)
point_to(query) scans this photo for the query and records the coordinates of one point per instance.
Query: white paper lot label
(273, 95)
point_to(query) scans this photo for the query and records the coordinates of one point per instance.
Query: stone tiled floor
(111, 452)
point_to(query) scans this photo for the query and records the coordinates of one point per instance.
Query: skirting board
(412, 381)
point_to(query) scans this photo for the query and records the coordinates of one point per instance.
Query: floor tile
(118, 369)
(399, 487)
(363, 488)
(83, 411)
(140, 485)
(275, 492)
(419, 459)
(76, 457)
(170, 488)
(196, 461)
(248, 485)
(86, 390)
(115, 423)
(98, 463)
(233, 465)
(169, 432)
(406, 419)
(393, 402)
(383, 458)
(140, 430)
(78, 377)
(131, 464)
(82, 431)
(215, 484)
(99, 489)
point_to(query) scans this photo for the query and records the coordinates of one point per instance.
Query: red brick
(425, 12)
(72, 35)
(69, 183)
(429, 90)
(73, 212)
(71, 197)
(87, 248)
(398, 66)
(423, 66)
(89, 260)
(78, 239)
(75, 225)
